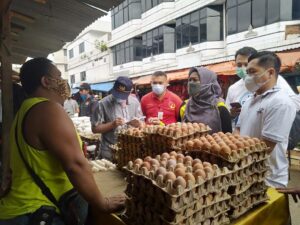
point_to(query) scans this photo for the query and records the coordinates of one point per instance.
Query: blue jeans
(24, 220)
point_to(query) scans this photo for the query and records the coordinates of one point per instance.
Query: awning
(172, 76)
(105, 87)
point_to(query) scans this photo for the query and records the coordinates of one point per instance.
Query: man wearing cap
(114, 112)
(86, 102)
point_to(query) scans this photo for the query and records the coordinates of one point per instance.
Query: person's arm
(294, 192)
(225, 119)
(59, 137)
(178, 104)
(76, 107)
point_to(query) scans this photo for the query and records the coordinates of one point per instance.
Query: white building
(60, 60)
(88, 56)
(175, 34)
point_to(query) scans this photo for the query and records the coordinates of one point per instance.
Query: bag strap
(37, 180)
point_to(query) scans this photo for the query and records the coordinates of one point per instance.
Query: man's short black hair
(32, 72)
(160, 74)
(267, 60)
(245, 51)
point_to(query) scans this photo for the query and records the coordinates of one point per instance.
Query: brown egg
(165, 155)
(154, 162)
(180, 156)
(206, 164)
(251, 142)
(197, 166)
(138, 161)
(180, 181)
(195, 161)
(189, 176)
(196, 126)
(161, 171)
(239, 144)
(206, 145)
(171, 163)
(215, 148)
(203, 139)
(190, 145)
(179, 165)
(179, 172)
(187, 159)
(198, 144)
(233, 147)
(209, 137)
(256, 140)
(147, 159)
(201, 173)
(163, 163)
(169, 176)
(184, 129)
(208, 170)
(226, 150)
(146, 164)
(173, 153)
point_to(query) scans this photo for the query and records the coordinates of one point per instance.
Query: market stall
(183, 174)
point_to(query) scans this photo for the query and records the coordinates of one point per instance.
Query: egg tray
(252, 202)
(245, 185)
(170, 216)
(234, 157)
(176, 199)
(138, 213)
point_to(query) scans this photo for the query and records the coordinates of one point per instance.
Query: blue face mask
(158, 89)
(83, 97)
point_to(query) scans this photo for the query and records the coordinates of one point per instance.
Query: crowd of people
(261, 104)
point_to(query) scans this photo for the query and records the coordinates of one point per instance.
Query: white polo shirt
(270, 116)
(239, 93)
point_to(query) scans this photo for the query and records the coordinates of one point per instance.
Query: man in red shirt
(160, 106)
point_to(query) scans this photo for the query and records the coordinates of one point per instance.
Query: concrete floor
(113, 182)
(295, 207)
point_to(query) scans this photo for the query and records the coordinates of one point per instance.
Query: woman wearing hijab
(205, 104)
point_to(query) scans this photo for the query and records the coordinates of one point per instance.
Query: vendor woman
(205, 104)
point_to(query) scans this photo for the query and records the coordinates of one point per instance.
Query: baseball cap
(84, 86)
(122, 88)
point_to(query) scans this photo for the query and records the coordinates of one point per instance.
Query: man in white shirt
(268, 114)
(238, 93)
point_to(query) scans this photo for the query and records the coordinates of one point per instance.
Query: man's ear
(272, 72)
(45, 82)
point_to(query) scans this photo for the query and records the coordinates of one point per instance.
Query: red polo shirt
(169, 105)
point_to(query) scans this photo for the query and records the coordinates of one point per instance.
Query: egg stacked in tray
(161, 139)
(245, 157)
(176, 189)
(129, 146)
(152, 140)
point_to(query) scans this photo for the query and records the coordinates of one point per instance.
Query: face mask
(252, 85)
(83, 97)
(158, 89)
(194, 88)
(241, 72)
(61, 86)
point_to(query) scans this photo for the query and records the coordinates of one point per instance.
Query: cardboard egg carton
(247, 205)
(177, 198)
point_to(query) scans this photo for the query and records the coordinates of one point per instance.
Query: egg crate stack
(129, 146)
(176, 189)
(172, 137)
(245, 156)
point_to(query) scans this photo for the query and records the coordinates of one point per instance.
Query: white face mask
(252, 85)
(158, 89)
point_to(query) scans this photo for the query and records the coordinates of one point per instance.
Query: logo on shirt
(172, 106)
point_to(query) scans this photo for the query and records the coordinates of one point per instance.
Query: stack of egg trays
(181, 204)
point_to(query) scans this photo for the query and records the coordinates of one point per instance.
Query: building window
(66, 67)
(158, 41)
(81, 47)
(72, 78)
(296, 9)
(65, 52)
(71, 53)
(128, 10)
(82, 76)
(205, 24)
(128, 51)
(242, 13)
